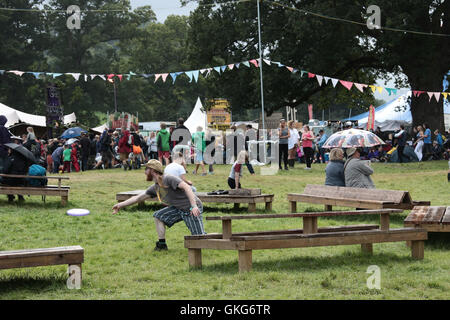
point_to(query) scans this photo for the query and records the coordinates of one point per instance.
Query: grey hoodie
(357, 174)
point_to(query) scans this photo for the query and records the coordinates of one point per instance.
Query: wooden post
(236, 206)
(195, 258)
(245, 260)
(269, 206)
(328, 207)
(226, 229)
(367, 248)
(417, 249)
(309, 225)
(251, 207)
(293, 205)
(64, 200)
(384, 221)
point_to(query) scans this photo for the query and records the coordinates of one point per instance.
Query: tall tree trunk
(424, 109)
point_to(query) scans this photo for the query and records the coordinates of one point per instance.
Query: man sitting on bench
(183, 204)
(17, 164)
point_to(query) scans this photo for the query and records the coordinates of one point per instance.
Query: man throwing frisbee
(183, 204)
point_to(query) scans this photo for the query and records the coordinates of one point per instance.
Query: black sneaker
(160, 246)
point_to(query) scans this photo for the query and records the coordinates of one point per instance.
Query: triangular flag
(36, 74)
(189, 74)
(231, 66)
(147, 75)
(360, 86)
(164, 76)
(195, 74)
(246, 63)
(267, 61)
(326, 79)
(311, 75)
(437, 95)
(202, 71)
(93, 76)
(217, 69)
(174, 75)
(254, 62)
(2, 71)
(76, 76)
(334, 82)
(85, 77)
(157, 76)
(290, 68)
(373, 88)
(319, 79)
(56, 75)
(279, 64)
(346, 84)
(294, 70)
(302, 73)
(18, 73)
(120, 77)
(101, 76)
(430, 94)
(380, 89)
(223, 68)
(111, 75)
(445, 94)
(237, 65)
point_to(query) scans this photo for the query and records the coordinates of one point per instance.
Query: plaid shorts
(171, 215)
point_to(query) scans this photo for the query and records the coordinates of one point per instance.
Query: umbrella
(70, 141)
(352, 138)
(22, 150)
(72, 133)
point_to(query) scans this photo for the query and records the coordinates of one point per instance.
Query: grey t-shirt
(172, 195)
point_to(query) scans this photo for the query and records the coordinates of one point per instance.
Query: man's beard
(149, 177)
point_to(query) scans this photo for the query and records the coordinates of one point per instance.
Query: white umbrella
(352, 138)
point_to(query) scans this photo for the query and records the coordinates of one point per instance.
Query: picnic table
(433, 218)
(362, 198)
(49, 190)
(251, 200)
(310, 236)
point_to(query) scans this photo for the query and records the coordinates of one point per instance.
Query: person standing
(283, 139)
(307, 143)
(85, 151)
(401, 142)
(320, 142)
(5, 137)
(234, 178)
(125, 142)
(183, 204)
(74, 157)
(181, 134)
(427, 143)
(357, 172)
(199, 143)
(67, 153)
(419, 143)
(56, 157)
(162, 142)
(293, 143)
(152, 147)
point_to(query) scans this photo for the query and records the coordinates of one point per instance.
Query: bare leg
(160, 229)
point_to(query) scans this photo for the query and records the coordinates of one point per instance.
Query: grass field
(120, 262)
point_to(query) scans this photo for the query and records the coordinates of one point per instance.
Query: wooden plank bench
(73, 256)
(331, 196)
(432, 219)
(309, 236)
(251, 200)
(48, 190)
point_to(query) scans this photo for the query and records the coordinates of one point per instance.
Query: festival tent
(14, 117)
(388, 116)
(197, 118)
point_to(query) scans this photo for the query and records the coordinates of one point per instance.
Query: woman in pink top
(307, 141)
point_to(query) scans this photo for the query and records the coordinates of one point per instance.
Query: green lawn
(120, 262)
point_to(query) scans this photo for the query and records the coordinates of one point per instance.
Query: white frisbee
(78, 212)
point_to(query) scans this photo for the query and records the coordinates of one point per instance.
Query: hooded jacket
(163, 138)
(124, 147)
(357, 174)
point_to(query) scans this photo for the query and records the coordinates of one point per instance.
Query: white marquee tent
(197, 118)
(14, 117)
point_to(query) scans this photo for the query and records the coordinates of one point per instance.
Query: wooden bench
(48, 190)
(432, 219)
(363, 198)
(309, 236)
(252, 200)
(72, 256)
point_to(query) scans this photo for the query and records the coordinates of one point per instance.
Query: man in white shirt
(177, 168)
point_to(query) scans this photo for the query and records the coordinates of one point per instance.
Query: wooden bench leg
(195, 258)
(236, 206)
(251, 207)
(245, 260)
(367, 248)
(269, 206)
(64, 200)
(75, 277)
(417, 249)
(384, 221)
(328, 207)
(309, 225)
(293, 205)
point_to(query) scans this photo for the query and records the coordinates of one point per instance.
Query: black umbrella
(22, 150)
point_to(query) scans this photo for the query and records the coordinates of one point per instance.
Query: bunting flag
(193, 75)
(334, 82)
(360, 86)
(254, 62)
(319, 79)
(371, 119)
(346, 84)
(310, 111)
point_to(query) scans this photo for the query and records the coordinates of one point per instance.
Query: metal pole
(260, 63)
(115, 99)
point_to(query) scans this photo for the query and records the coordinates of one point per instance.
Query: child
(67, 158)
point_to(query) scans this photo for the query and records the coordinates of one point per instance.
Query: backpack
(37, 170)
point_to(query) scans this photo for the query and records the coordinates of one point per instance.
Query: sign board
(55, 111)
(219, 113)
(117, 120)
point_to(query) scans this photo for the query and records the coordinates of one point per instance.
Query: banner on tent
(55, 112)
(117, 120)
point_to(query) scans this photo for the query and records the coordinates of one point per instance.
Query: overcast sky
(164, 8)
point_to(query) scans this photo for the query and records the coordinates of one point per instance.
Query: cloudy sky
(163, 8)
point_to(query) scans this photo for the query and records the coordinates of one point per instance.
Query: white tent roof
(14, 116)
(390, 115)
(197, 118)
